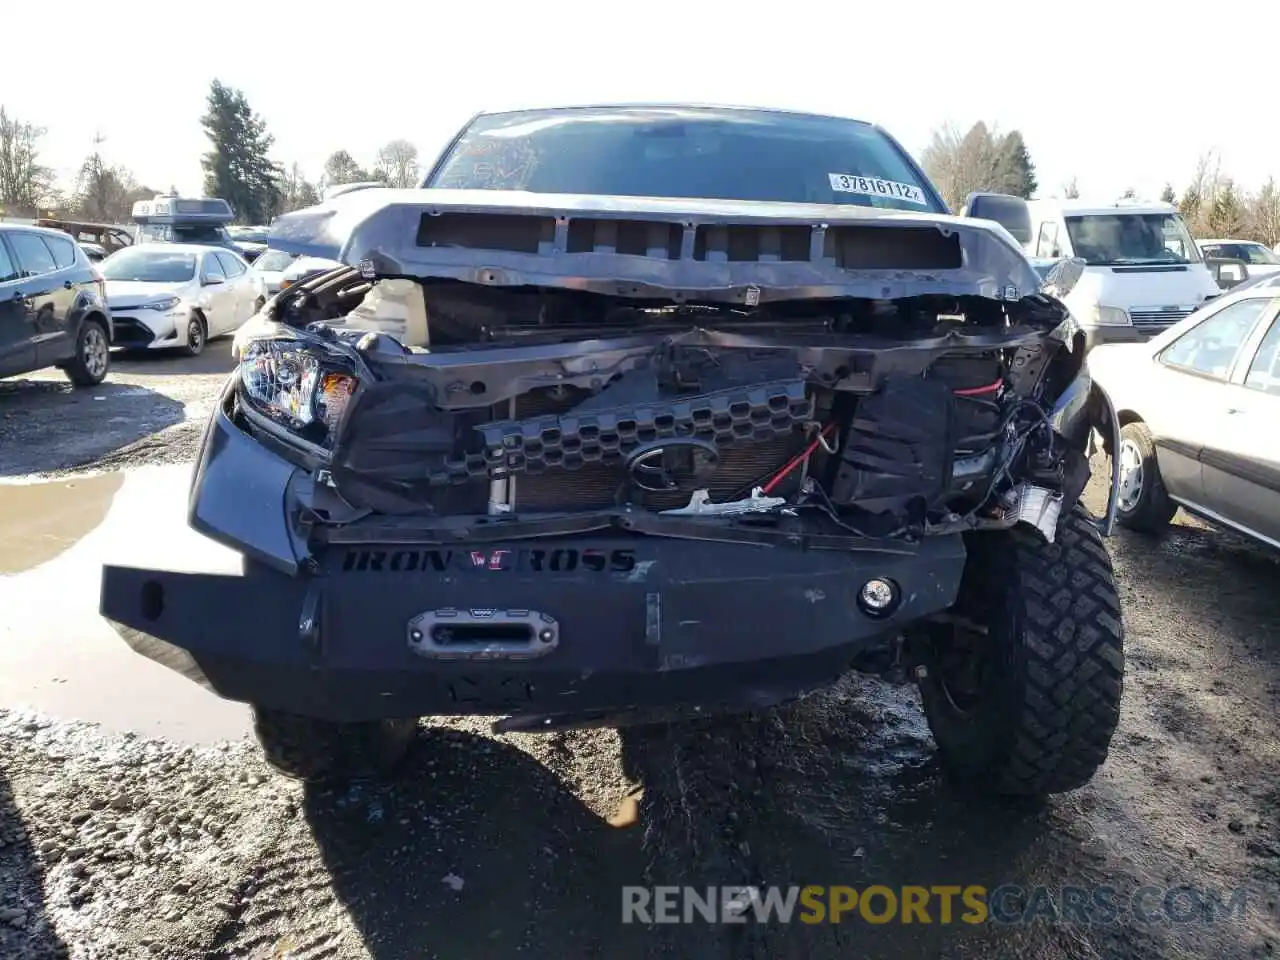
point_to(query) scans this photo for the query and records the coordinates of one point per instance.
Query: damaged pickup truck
(639, 414)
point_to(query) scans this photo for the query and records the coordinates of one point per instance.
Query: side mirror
(213, 279)
(1228, 272)
(1009, 211)
(1063, 276)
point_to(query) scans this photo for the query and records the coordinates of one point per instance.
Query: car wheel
(1022, 688)
(1142, 503)
(92, 359)
(197, 336)
(321, 751)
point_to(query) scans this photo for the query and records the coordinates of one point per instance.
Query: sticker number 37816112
(875, 187)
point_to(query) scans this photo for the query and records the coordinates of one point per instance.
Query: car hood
(644, 247)
(122, 292)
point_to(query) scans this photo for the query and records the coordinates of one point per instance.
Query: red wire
(978, 391)
(796, 460)
(807, 452)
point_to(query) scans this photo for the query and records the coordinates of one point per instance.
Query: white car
(1199, 407)
(268, 274)
(1257, 258)
(176, 295)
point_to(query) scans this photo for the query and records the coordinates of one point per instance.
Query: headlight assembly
(1100, 316)
(301, 388)
(165, 303)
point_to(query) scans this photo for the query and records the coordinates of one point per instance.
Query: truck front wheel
(320, 751)
(1022, 685)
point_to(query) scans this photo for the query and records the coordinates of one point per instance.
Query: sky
(1116, 94)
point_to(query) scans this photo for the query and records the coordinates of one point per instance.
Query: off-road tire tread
(1155, 509)
(321, 751)
(1074, 643)
(1063, 704)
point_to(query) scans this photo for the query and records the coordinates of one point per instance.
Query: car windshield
(1252, 253)
(1117, 239)
(273, 261)
(689, 153)
(150, 266)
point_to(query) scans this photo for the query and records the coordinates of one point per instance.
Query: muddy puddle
(57, 655)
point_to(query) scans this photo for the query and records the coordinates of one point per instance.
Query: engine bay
(850, 417)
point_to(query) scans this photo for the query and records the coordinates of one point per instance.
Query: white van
(1143, 271)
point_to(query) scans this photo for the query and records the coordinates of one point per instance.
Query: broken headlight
(301, 388)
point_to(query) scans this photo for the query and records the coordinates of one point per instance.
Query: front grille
(1157, 318)
(597, 484)
(130, 332)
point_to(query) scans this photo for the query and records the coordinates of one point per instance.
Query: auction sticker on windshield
(875, 187)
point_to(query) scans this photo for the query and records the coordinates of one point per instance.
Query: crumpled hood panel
(652, 247)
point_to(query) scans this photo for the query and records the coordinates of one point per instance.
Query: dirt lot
(150, 410)
(498, 846)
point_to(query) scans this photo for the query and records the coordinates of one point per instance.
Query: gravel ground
(151, 409)
(499, 846)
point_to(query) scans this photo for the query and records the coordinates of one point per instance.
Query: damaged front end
(741, 378)
(546, 457)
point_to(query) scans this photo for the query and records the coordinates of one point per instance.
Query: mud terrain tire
(321, 751)
(1041, 718)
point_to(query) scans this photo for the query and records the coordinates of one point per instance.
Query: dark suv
(52, 308)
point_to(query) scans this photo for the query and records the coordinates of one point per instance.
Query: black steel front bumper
(639, 624)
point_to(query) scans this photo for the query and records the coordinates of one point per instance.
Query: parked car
(268, 274)
(1200, 406)
(110, 238)
(94, 251)
(304, 268)
(670, 453)
(182, 295)
(1258, 260)
(53, 309)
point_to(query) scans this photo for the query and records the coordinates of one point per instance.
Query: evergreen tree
(1016, 172)
(238, 168)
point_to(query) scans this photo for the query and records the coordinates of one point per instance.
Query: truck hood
(652, 247)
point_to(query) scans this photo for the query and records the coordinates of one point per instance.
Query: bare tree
(398, 162)
(296, 191)
(1197, 199)
(24, 181)
(104, 192)
(980, 160)
(1071, 190)
(1226, 217)
(1264, 214)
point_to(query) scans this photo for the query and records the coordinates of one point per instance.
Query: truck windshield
(182, 233)
(687, 153)
(1117, 239)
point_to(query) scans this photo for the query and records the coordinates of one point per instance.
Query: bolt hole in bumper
(585, 629)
